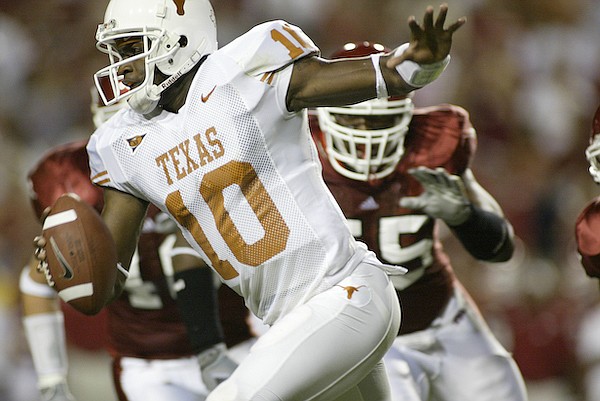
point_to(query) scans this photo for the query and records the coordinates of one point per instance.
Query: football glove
(215, 365)
(57, 392)
(444, 196)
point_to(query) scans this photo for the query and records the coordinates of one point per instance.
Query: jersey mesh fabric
(290, 275)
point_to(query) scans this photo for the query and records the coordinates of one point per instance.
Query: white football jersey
(239, 173)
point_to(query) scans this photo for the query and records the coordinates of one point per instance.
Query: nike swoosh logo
(67, 269)
(205, 98)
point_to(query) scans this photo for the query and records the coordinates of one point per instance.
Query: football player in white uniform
(218, 139)
(396, 171)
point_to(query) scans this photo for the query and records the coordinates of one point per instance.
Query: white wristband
(380, 85)
(33, 288)
(419, 75)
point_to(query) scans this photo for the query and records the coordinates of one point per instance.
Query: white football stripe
(76, 292)
(60, 218)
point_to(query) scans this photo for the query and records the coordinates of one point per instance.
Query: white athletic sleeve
(105, 168)
(269, 47)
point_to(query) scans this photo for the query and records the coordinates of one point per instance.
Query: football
(81, 254)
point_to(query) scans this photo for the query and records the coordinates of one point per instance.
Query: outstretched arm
(316, 81)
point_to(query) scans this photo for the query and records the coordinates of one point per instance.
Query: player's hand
(57, 392)
(444, 196)
(39, 243)
(430, 42)
(215, 365)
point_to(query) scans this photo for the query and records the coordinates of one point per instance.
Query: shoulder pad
(269, 47)
(441, 136)
(62, 169)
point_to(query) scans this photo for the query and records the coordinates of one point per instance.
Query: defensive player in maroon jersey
(587, 227)
(587, 235)
(396, 171)
(153, 357)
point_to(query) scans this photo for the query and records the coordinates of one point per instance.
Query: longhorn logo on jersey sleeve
(350, 290)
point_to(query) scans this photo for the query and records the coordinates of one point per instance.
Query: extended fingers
(424, 175)
(443, 176)
(415, 28)
(460, 22)
(428, 19)
(438, 177)
(441, 19)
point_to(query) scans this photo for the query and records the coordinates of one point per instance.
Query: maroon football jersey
(587, 234)
(440, 136)
(144, 322)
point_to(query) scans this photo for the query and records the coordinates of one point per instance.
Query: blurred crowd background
(527, 71)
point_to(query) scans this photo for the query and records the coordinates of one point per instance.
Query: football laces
(42, 267)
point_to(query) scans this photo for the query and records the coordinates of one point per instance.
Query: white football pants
(162, 380)
(456, 358)
(327, 349)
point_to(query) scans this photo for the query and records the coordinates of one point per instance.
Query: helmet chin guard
(175, 36)
(365, 154)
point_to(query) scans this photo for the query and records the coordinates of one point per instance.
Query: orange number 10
(211, 188)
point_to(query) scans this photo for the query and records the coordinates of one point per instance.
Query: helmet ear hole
(183, 41)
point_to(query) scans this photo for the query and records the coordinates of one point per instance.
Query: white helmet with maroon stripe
(173, 35)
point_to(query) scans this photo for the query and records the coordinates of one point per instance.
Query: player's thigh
(148, 380)
(373, 387)
(322, 348)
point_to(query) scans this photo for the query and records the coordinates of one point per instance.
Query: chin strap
(146, 100)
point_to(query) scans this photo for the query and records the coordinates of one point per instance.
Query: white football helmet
(592, 153)
(365, 154)
(175, 34)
